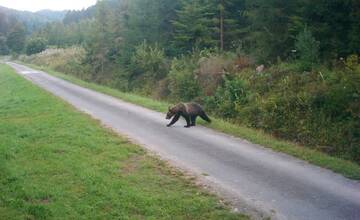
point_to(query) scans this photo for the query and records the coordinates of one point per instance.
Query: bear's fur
(190, 111)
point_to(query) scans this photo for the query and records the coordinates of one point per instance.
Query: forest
(289, 68)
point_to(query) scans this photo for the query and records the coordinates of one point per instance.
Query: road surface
(250, 175)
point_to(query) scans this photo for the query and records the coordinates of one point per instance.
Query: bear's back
(193, 108)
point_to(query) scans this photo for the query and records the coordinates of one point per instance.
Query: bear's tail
(205, 117)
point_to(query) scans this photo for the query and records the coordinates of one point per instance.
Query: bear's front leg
(175, 119)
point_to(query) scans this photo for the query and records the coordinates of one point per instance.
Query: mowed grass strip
(57, 163)
(346, 168)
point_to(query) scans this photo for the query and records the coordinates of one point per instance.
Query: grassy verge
(58, 163)
(338, 165)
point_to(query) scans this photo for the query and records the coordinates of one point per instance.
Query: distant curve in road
(277, 184)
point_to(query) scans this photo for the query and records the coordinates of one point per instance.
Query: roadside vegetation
(57, 163)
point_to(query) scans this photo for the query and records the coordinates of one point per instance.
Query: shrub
(230, 97)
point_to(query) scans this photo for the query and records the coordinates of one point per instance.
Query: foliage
(270, 28)
(148, 66)
(4, 50)
(231, 96)
(315, 108)
(149, 60)
(16, 38)
(75, 16)
(182, 80)
(193, 26)
(148, 20)
(308, 49)
(334, 23)
(35, 45)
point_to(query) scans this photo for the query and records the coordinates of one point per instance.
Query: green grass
(347, 168)
(57, 163)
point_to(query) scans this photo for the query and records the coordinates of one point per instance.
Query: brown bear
(187, 110)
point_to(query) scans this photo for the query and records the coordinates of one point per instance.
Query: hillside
(31, 20)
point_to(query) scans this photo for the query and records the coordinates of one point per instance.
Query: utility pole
(222, 7)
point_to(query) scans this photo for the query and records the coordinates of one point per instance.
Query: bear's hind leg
(205, 117)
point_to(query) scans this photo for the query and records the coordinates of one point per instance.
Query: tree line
(265, 29)
(16, 28)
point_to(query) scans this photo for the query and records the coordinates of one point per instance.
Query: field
(57, 163)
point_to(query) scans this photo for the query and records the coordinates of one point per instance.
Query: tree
(194, 26)
(35, 45)
(230, 22)
(308, 49)
(149, 20)
(336, 23)
(269, 33)
(4, 50)
(100, 42)
(16, 38)
(354, 34)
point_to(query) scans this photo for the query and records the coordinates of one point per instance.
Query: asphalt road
(250, 175)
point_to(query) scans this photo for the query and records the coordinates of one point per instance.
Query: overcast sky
(36, 5)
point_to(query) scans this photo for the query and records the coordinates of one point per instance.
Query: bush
(230, 97)
(35, 45)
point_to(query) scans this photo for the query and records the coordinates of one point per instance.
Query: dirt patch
(59, 151)
(42, 201)
(132, 164)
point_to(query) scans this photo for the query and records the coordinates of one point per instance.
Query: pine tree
(230, 21)
(308, 49)
(149, 20)
(99, 44)
(194, 26)
(268, 33)
(354, 34)
(334, 23)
